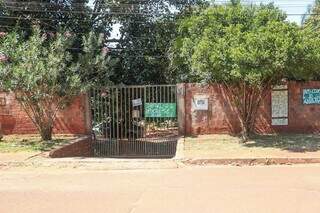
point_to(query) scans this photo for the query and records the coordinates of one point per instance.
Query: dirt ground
(17, 156)
(272, 189)
(267, 146)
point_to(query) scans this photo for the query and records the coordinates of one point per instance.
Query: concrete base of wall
(180, 149)
(80, 147)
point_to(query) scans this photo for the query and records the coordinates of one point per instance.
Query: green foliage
(246, 48)
(252, 44)
(51, 15)
(147, 28)
(311, 19)
(145, 39)
(309, 47)
(45, 76)
(95, 66)
(236, 43)
(44, 62)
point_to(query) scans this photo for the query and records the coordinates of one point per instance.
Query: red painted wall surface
(222, 117)
(72, 120)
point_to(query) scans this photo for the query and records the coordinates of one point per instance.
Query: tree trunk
(245, 131)
(42, 112)
(244, 136)
(246, 99)
(46, 132)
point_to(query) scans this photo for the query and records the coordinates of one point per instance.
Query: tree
(247, 49)
(147, 28)
(45, 76)
(51, 15)
(311, 19)
(77, 17)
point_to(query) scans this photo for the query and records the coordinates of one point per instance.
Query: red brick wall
(222, 117)
(72, 120)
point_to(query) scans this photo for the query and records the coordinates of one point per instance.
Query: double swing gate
(134, 121)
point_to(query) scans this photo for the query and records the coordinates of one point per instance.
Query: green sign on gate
(160, 110)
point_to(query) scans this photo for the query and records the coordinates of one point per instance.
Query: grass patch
(292, 145)
(30, 143)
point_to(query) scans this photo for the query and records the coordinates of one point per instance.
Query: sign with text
(136, 102)
(279, 107)
(200, 103)
(311, 96)
(161, 110)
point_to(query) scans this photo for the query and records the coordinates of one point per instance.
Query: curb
(135, 164)
(93, 164)
(251, 161)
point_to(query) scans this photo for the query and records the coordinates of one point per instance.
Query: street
(191, 189)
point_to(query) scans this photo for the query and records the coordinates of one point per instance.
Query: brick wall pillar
(181, 93)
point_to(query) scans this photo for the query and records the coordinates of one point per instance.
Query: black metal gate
(135, 121)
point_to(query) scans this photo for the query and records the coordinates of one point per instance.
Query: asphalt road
(273, 189)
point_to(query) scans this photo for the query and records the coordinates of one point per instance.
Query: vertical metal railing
(134, 121)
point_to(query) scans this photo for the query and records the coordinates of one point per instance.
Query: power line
(131, 38)
(70, 18)
(106, 13)
(83, 12)
(43, 18)
(142, 22)
(149, 3)
(100, 3)
(144, 2)
(108, 41)
(112, 10)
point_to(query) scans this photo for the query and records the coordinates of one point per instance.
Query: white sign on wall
(200, 102)
(279, 107)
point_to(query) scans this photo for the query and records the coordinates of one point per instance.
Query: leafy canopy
(247, 49)
(147, 28)
(43, 64)
(311, 18)
(251, 44)
(45, 76)
(145, 38)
